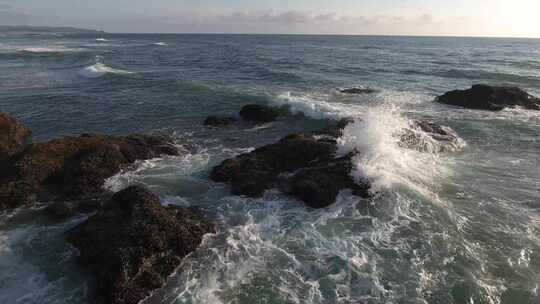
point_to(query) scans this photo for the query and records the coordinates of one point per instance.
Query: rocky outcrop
(219, 121)
(13, 136)
(305, 165)
(358, 91)
(491, 98)
(73, 168)
(259, 113)
(300, 164)
(134, 243)
(319, 184)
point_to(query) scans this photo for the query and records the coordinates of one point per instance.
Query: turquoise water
(459, 227)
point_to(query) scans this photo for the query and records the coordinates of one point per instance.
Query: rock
(259, 113)
(73, 168)
(13, 136)
(64, 209)
(318, 185)
(430, 137)
(492, 98)
(358, 91)
(134, 243)
(219, 121)
(304, 162)
(335, 130)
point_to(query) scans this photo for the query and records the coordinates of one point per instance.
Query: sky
(503, 18)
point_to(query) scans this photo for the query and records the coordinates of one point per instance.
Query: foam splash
(99, 69)
(313, 107)
(376, 135)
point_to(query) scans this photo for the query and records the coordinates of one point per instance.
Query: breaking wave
(99, 69)
(383, 159)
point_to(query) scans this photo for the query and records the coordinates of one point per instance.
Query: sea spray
(382, 158)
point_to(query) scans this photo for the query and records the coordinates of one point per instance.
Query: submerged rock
(219, 121)
(13, 136)
(259, 113)
(134, 243)
(358, 91)
(73, 168)
(431, 137)
(492, 98)
(302, 165)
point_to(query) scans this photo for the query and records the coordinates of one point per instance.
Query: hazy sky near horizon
(515, 18)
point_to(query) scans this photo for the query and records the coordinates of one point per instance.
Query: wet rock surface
(428, 136)
(219, 121)
(73, 168)
(493, 98)
(259, 113)
(13, 136)
(304, 165)
(134, 243)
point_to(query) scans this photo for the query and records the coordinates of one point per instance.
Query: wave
(160, 43)
(99, 69)
(49, 49)
(383, 159)
(478, 75)
(313, 107)
(102, 40)
(377, 134)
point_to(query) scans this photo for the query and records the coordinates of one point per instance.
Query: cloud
(272, 17)
(297, 22)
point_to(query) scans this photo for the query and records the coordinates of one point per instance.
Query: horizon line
(283, 34)
(321, 34)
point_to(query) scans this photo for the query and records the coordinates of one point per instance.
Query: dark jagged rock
(63, 209)
(72, 168)
(492, 98)
(219, 121)
(301, 161)
(429, 136)
(13, 136)
(319, 184)
(134, 243)
(259, 113)
(358, 91)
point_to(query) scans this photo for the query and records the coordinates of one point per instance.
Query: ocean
(456, 227)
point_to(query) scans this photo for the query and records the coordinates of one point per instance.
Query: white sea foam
(99, 69)
(160, 44)
(49, 49)
(314, 107)
(376, 135)
(102, 39)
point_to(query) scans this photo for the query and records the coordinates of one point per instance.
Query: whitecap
(160, 43)
(314, 107)
(49, 49)
(99, 69)
(102, 39)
